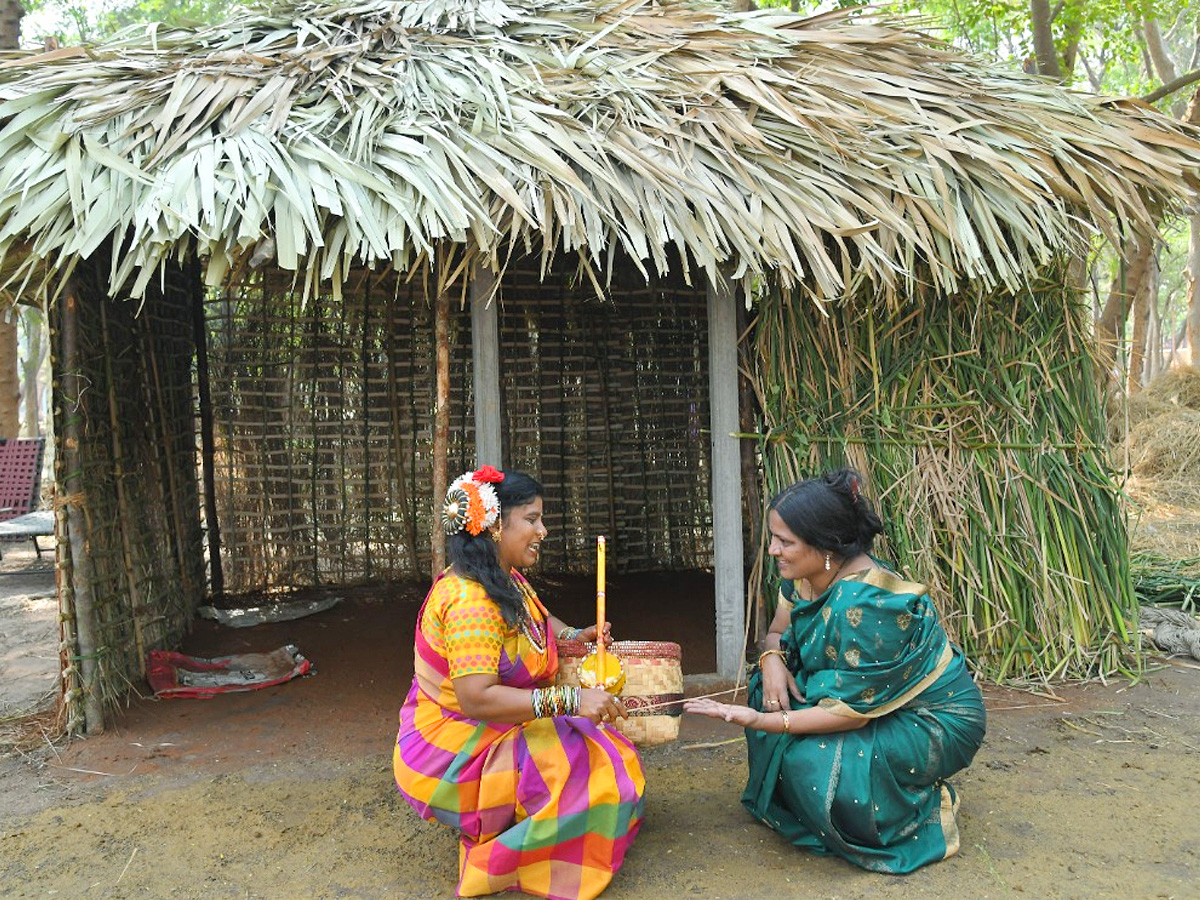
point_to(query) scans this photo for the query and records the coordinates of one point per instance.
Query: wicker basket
(653, 677)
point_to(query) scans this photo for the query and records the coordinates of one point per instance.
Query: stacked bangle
(569, 633)
(773, 652)
(560, 700)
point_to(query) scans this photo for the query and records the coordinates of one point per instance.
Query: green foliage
(1106, 34)
(80, 21)
(171, 12)
(1159, 581)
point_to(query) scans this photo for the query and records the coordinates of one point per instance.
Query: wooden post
(441, 422)
(485, 367)
(200, 337)
(73, 388)
(729, 574)
(752, 497)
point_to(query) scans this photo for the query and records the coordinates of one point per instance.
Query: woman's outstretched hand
(706, 706)
(600, 706)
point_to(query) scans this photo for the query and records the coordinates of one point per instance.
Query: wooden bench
(20, 490)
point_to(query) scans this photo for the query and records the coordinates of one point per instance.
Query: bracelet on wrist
(774, 652)
(559, 700)
(787, 728)
(569, 634)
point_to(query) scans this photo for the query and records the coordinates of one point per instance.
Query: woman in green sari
(861, 708)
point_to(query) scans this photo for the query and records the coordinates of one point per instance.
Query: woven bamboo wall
(323, 424)
(607, 403)
(323, 419)
(137, 464)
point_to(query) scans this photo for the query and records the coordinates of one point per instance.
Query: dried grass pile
(1126, 413)
(1162, 452)
(1166, 445)
(1162, 428)
(1179, 387)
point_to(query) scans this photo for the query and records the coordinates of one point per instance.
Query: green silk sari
(871, 647)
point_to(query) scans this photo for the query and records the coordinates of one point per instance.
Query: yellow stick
(601, 662)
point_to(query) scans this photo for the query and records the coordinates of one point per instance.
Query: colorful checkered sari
(547, 807)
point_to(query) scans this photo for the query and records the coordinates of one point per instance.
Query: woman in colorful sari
(861, 708)
(546, 799)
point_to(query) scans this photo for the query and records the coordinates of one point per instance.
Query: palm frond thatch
(821, 149)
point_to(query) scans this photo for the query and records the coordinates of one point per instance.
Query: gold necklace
(526, 624)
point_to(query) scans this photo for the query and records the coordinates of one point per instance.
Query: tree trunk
(1192, 320)
(1154, 337)
(1141, 319)
(1040, 19)
(11, 12)
(1070, 52)
(31, 382)
(10, 392)
(1161, 63)
(10, 385)
(1110, 327)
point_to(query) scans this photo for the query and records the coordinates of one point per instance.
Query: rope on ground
(1171, 630)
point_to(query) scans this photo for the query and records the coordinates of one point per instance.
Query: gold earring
(500, 530)
(827, 567)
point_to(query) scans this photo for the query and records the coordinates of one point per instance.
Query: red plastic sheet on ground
(175, 675)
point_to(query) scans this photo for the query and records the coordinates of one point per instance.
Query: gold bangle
(787, 729)
(767, 653)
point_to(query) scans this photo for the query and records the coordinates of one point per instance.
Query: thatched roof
(820, 149)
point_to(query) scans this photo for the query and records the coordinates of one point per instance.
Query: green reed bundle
(1159, 581)
(978, 424)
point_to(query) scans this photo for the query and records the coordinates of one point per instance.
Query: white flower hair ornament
(471, 502)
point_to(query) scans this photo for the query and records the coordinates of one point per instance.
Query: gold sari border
(841, 708)
(888, 581)
(949, 822)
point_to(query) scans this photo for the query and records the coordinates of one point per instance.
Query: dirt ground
(286, 792)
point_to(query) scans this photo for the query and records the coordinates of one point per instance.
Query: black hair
(830, 512)
(474, 555)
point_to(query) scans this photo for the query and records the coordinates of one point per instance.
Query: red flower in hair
(487, 475)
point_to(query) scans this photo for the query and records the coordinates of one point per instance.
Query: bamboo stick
(124, 518)
(70, 683)
(204, 396)
(86, 624)
(168, 458)
(341, 378)
(441, 415)
(315, 362)
(365, 374)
